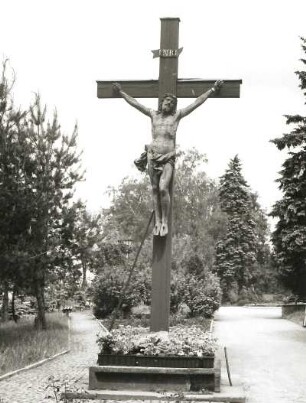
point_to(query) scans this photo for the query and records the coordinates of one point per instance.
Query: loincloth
(154, 160)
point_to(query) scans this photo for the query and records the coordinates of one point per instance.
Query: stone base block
(155, 378)
(228, 395)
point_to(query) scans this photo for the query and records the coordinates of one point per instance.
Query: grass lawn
(21, 344)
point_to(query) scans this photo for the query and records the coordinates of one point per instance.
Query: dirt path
(30, 386)
(267, 354)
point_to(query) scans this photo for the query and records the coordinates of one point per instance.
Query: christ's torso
(164, 129)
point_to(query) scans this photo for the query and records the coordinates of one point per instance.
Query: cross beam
(183, 88)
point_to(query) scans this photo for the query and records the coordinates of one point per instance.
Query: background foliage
(289, 237)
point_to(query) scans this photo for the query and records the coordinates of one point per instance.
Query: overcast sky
(59, 48)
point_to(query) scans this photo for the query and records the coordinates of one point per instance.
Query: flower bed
(182, 347)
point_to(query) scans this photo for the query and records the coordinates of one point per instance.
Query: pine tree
(39, 167)
(14, 217)
(289, 237)
(236, 251)
(54, 171)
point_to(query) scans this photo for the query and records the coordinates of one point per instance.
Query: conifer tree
(14, 215)
(289, 237)
(39, 167)
(54, 171)
(236, 251)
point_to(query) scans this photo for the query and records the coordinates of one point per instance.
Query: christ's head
(168, 104)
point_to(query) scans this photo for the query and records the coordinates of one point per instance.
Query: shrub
(195, 286)
(141, 311)
(202, 295)
(176, 286)
(108, 290)
(230, 293)
(247, 296)
(200, 292)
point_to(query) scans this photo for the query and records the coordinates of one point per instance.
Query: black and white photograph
(152, 201)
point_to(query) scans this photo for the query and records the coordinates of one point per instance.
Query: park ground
(33, 386)
(266, 353)
(266, 356)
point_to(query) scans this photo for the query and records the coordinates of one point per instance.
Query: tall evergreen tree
(14, 213)
(54, 171)
(40, 225)
(236, 251)
(289, 237)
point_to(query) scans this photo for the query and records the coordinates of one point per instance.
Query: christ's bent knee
(155, 189)
(164, 192)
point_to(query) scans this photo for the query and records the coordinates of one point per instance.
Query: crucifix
(160, 155)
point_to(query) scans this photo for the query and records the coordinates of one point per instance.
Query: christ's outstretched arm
(130, 100)
(200, 100)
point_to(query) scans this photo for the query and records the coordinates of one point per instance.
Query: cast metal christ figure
(160, 154)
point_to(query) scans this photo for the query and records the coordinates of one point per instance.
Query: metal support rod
(227, 367)
(131, 273)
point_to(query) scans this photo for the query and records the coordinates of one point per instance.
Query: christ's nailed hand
(218, 84)
(116, 88)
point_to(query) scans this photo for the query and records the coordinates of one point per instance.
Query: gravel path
(266, 353)
(30, 386)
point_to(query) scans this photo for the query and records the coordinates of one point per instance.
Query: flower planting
(180, 341)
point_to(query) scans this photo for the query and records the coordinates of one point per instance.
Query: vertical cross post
(162, 246)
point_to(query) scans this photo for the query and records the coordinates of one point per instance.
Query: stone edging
(36, 364)
(103, 328)
(211, 327)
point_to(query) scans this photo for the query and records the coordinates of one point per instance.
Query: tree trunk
(84, 278)
(40, 320)
(5, 304)
(15, 317)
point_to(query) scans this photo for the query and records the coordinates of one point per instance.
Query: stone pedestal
(155, 379)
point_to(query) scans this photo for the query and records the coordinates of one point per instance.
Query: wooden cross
(188, 88)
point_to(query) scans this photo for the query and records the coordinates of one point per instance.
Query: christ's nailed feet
(163, 229)
(156, 228)
(160, 229)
